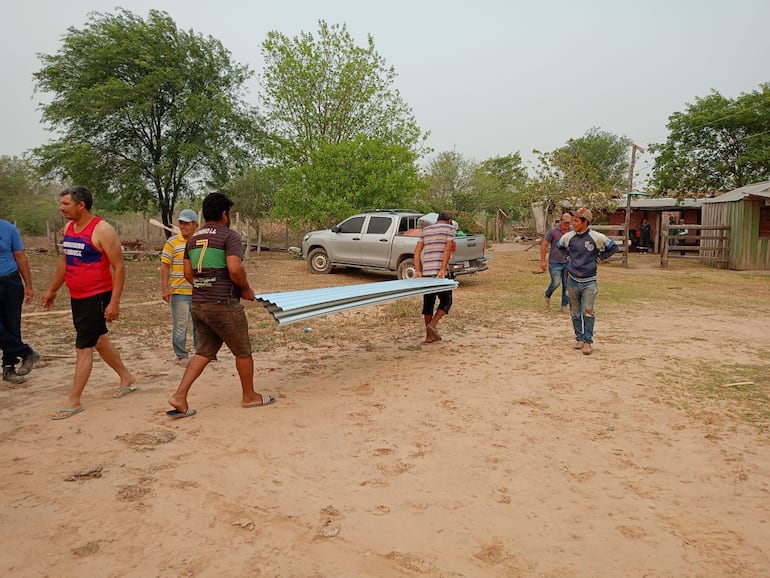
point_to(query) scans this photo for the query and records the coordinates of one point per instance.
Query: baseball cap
(188, 216)
(585, 214)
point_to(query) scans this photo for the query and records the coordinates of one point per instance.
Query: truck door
(377, 241)
(347, 241)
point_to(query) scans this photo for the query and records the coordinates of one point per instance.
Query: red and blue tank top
(88, 269)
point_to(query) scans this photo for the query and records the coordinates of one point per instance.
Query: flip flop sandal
(176, 414)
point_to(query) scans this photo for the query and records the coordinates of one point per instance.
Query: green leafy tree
(471, 190)
(589, 171)
(145, 112)
(345, 177)
(500, 182)
(24, 199)
(323, 98)
(716, 144)
(253, 193)
(449, 184)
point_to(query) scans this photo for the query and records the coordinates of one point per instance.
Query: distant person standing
(176, 290)
(557, 262)
(671, 231)
(583, 248)
(93, 269)
(645, 236)
(431, 259)
(682, 233)
(15, 289)
(213, 264)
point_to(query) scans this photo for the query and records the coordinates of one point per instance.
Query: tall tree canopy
(144, 110)
(449, 180)
(326, 89)
(501, 181)
(591, 171)
(717, 144)
(345, 177)
(344, 136)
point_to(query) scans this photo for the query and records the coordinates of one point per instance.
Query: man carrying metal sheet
(431, 257)
(213, 265)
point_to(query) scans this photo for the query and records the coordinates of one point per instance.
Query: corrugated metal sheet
(716, 215)
(293, 306)
(753, 190)
(659, 204)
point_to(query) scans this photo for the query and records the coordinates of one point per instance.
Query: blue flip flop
(176, 414)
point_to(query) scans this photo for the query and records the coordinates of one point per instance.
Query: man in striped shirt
(176, 290)
(431, 259)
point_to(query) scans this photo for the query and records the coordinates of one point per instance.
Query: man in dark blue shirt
(15, 289)
(584, 248)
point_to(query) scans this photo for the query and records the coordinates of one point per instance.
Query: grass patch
(742, 390)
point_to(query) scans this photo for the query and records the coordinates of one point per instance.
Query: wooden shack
(746, 211)
(657, 211)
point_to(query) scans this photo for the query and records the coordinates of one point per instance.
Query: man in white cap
(176, 290)
(431, 259)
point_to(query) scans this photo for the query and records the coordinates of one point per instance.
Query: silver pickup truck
(384, 240)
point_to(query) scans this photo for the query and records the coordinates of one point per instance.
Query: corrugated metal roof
(659, 203)
(753, 190)
(293, 306)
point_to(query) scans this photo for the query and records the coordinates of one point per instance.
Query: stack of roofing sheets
(293, 306)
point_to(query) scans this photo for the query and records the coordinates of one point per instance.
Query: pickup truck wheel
(318, 262)
(406, 269)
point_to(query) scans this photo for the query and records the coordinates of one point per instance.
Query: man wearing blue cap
(176, 290)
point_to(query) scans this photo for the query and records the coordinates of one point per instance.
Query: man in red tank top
(93, 269)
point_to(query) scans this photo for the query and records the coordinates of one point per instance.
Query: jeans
(558, 273)
(581, 301)
(11, 299)
(181, 318)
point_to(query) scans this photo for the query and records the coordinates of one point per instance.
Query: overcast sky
(484, 77)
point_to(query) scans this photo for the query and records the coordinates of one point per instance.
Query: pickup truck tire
(406, 269)
(318, 262)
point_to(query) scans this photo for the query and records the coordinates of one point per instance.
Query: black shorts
(88, 318)
(444, 302)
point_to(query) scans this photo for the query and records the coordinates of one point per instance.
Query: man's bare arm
(105, 238)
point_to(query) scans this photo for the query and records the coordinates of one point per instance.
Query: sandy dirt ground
(500, 451)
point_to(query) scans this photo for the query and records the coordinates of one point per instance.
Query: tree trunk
(540, 213)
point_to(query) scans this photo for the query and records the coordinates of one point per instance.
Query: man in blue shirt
(14, 268)
(584, 248)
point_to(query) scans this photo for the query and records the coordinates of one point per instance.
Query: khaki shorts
(221, 323)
